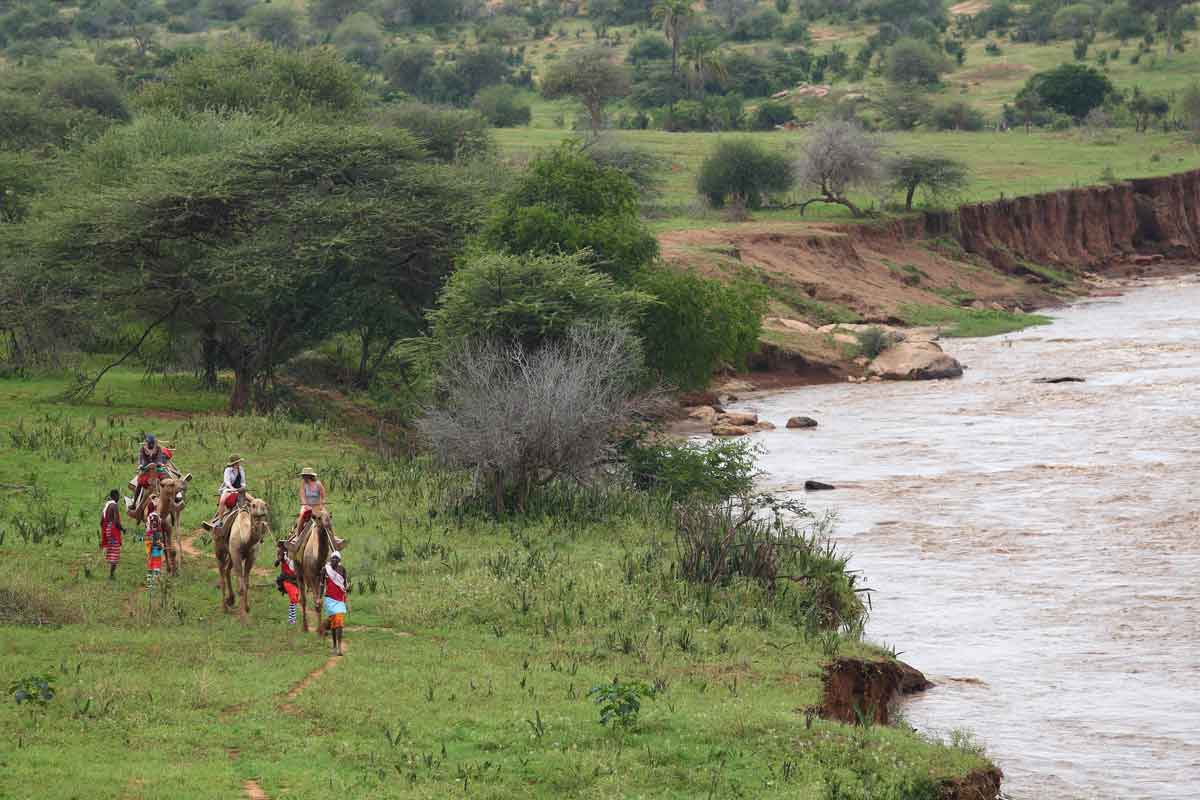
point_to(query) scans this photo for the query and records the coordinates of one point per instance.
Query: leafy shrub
(257, 78)
(502, 29)
(956, 116)
(449, 134)
(771, 113)
(565, 202)
(698, 325)
(404, 67)
(743, 170)
(359, 39)
(20, 179)
(769, 544)
(648, 47)
(903, 107)
(90, 88)
(872, 341)
(29, 122)
(227, 10)
(1072, 89)
(328, 14)
(714, 471)
(758, 24)
(503, 106)
(641, 166)
(528, 299)
(794, 31)
(620, 703)
(274, 23)
(914, 62)
(35, 690)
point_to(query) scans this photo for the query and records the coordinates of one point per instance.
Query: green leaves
(620, 703)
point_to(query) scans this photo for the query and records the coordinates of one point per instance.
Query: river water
(1035, 549)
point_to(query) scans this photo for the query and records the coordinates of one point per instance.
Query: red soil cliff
(1087, 227)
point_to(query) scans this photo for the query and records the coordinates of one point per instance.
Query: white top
(231, 475)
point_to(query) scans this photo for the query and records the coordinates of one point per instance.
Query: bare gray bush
(522, 418)
(839, 156)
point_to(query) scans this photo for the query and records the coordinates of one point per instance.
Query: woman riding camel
(233, 483)
(312, 497)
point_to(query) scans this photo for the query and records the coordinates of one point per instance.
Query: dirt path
(286, 705)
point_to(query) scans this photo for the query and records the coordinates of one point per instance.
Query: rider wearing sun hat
(312, 496)
(233, 483)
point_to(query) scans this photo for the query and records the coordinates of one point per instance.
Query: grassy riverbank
(472, 647)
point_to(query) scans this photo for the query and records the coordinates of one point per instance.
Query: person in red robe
(110, 533)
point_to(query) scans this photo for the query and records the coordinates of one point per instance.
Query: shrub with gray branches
(522, 417)
(840, 156)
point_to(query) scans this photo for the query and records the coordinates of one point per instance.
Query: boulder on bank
(817, 486)
(915, 361)
(801, 422)
(763, 425)
(705, 414)
(740, 418)
(727, 429)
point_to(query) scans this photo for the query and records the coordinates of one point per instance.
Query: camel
(139, 513)
(236, 547)
(311, 560)
(169, 501)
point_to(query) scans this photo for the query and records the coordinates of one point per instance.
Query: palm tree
(675, 15)
(703, 60)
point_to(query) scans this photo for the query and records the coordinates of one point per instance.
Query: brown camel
(237, 547)
(310, 561)
(169, 501)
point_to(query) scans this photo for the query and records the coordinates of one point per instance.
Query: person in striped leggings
(287, 582)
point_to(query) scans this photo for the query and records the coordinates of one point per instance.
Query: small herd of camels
(236, 540)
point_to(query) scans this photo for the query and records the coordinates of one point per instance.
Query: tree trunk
(362, 379)
(909, 197)
(243, 380)
(1170, 23)
(209, 353)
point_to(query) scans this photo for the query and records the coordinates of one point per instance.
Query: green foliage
(903, 107)
(30, 21)
(1073, 21)
(328, 14)
(1072, 89)
(21, 177)
(566, 202)
(449, 134)
(641, 166)
(503, 106)
(713, 471)
(258, 78)
(771, 113)
(872, 341)
(697, 325)
(592, 77)
(225, 10)
(405, 66)
(275, 23)
(620, 703)
(743, 170)
(29, 121)
(529, 298)
(35, 690)
(761, 23)
(91, 88)
(939, 177)
(359, 39)
(910, 61)
(648, 47)
(970, 322)
(957, 115)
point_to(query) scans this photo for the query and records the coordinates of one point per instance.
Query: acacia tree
(937, 176)
(838, 157)
(703, 58)
(592, 77)
(1166, 11)
(262, 247)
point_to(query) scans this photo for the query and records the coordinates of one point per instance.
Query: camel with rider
(310, 554)
(169, 500)
(236, 543)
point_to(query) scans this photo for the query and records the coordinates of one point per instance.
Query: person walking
(110, 532)
(287, 582)
(154, 548)
(335, 588)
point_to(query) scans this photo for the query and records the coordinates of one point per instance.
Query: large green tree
(566, 202)
(1072, 89)
(267, 246)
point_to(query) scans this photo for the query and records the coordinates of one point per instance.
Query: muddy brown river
(1035, 549)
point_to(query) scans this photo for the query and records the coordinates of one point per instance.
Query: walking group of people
(154, 462)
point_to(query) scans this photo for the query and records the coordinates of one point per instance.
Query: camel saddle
(295, 543)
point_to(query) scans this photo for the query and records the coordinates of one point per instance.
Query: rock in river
(915, 361)
(802, 422)
(738, 418)
(817, 486)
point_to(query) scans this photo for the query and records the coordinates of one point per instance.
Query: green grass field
(471, 649)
